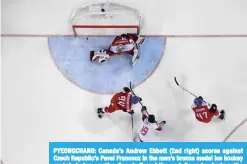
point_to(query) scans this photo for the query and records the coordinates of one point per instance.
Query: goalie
(125, 43)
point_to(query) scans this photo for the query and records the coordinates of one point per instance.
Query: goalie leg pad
(102, 56)
(135, 57)
(140, 40)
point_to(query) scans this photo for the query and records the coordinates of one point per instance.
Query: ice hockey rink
(205, 48)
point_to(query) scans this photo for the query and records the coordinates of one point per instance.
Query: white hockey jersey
(148, 129)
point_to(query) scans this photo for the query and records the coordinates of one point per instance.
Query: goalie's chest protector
(121, 46)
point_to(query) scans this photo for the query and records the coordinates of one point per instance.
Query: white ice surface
(240, 135)
(39, 105)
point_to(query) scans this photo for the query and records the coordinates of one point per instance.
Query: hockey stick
(191, 93)
(132, 119)
(138, 100)
(137, 96)
(183, 87)
(186, 89)
(132, 125)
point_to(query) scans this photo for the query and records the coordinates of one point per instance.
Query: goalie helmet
(134, 99)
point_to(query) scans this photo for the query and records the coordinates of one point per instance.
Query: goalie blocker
(125, 43)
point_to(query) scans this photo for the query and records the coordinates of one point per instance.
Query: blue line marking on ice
(71, 55)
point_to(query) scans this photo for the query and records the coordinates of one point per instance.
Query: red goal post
(105, 19)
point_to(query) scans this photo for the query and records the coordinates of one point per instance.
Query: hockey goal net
(105, 19)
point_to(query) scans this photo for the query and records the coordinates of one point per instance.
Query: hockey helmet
(151, 118)
(126, 89)
(198, 101)
(134, 99)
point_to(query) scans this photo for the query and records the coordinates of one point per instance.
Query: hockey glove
(222, 115)
(131, 112)
(144, 108)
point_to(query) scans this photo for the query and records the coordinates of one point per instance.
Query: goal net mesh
(105, 19)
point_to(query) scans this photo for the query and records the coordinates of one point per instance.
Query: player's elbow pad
(144, 117)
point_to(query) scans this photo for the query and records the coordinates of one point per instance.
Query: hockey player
(205, 112)
(126, 43)
(149, 126)
(121, 101)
